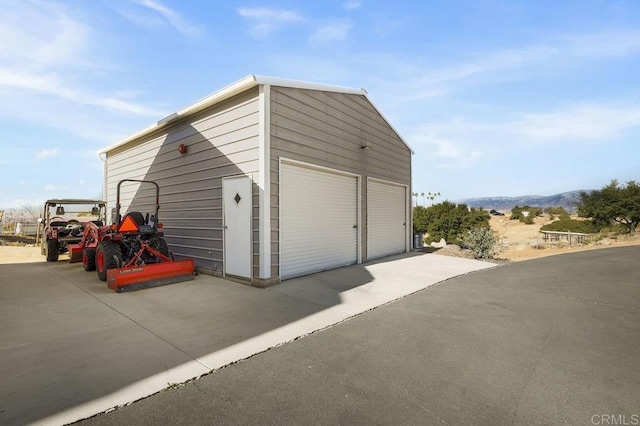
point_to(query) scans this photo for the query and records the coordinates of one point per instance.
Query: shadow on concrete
(67, 340)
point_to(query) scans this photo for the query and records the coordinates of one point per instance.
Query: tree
(420, 220)
(432, 196)
(613, 203)
(31, 212)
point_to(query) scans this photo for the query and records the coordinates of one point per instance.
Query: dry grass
(521, 242)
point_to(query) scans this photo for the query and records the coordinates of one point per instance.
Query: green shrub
(517, 213)
(560, 212)
(571, 225)
(481, 241)
(447, 220)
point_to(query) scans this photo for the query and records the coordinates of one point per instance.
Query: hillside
(565, 199)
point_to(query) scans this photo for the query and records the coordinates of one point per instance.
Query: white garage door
(318, 220)
(386, 219)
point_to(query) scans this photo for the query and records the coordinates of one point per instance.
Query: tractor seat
(137, 217)
(98, 223)
(58, 223)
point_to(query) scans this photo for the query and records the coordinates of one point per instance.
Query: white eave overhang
(236, 88)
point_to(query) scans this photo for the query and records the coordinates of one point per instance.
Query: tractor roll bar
(141, 181)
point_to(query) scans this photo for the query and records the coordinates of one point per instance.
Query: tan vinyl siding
(328, 129)
(222, 141)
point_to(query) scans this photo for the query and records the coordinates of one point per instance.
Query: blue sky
(495, 97)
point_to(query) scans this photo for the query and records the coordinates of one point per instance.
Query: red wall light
(182, 149)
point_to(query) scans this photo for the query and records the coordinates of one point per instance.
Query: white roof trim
(240, 86)
(298, 84)
(389, 123)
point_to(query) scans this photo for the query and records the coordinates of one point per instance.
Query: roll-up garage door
(386, 219)
(318, 220)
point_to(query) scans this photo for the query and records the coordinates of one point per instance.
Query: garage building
(269, 179)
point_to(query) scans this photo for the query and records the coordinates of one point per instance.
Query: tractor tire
(160, 244)
(53, 250)
(89, 259)
(108, 256)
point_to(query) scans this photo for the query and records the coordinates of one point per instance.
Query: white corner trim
(264, 179)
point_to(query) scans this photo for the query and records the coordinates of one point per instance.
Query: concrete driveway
(552, 341)
(71, 348)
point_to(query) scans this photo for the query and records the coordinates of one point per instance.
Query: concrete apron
(112, 349)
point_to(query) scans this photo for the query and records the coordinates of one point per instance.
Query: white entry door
(236, 201)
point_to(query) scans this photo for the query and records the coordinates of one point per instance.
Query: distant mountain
(566, 200)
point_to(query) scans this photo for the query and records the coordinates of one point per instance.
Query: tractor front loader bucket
(75, 252)
(131, 278)
(89, 238)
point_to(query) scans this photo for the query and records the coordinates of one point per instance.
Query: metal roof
(74, 201)
(238, 87)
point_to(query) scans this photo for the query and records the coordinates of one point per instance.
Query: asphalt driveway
(549, 341)
(71, 348)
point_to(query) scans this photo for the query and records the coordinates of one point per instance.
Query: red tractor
(131, 253)
(65, 227)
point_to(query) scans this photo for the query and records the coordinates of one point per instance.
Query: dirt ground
(13, 240)
(519, 241)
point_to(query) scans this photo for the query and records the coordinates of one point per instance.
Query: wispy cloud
(459, 143)
(170, 16)
(588, 122)
(352, 5)
(602, 44)
(265, 21)
(50, 83)
(550, 53)
(445, 150)
(56, 188)
(43, 69)
(51, 37)
(46, 153)
(335, 31)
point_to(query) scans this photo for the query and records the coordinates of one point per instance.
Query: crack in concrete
(421, 404)
(195, 384)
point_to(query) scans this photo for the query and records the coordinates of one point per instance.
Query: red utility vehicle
(66, 224)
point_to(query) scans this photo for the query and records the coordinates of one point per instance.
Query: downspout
(104, 181)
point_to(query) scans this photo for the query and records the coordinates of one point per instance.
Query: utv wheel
(108, 256)
(89, 259)
(53, 250)
(160, 244)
